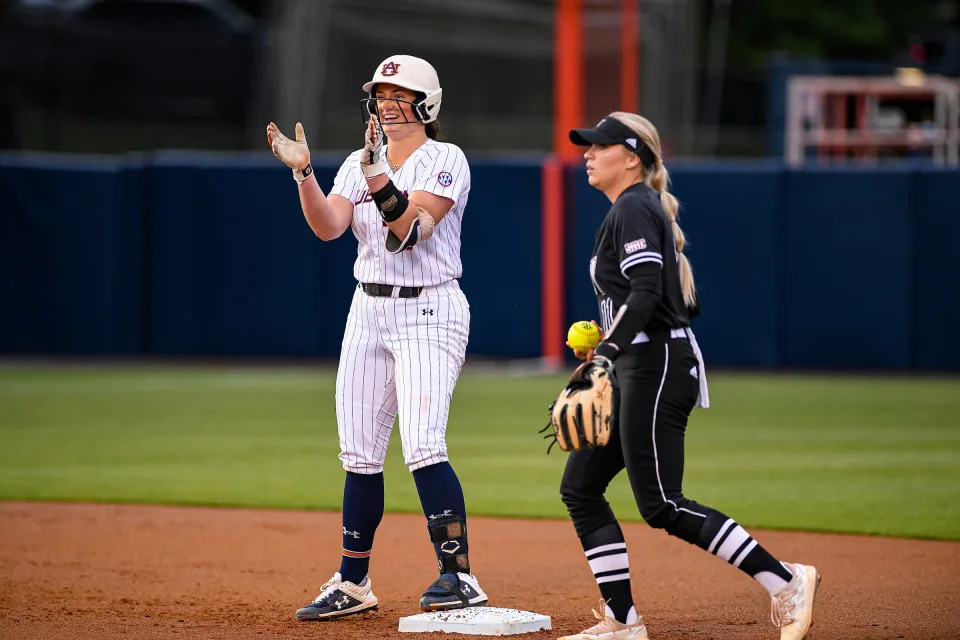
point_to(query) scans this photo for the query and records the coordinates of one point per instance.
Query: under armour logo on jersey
(695, 373)
(446, 512)
(445, 179)
(390, 69)
(450, 546)
(353, 534)
(426, 312)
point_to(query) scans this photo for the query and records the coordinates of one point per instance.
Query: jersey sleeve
(637, 235)
(446, 174)
(349, 178)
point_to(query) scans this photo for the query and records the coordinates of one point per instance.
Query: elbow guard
(420, 229)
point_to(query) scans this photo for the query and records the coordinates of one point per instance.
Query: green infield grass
(858, 454)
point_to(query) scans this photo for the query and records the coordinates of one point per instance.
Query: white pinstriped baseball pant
(400, 357)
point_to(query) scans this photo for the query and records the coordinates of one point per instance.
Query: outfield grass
(872, 455)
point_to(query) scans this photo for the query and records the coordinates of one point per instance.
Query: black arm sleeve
(632, 317)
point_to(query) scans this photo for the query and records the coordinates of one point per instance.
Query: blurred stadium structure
(819, 109)
(122, 75)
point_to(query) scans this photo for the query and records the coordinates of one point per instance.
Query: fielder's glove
(582, 416)
(370, 161)
(293, 153)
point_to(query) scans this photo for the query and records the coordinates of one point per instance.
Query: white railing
(839, 118)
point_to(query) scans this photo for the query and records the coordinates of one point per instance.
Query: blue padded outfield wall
(191, 254)
(199, 254)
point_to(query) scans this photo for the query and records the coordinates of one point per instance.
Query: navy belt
(390, 291)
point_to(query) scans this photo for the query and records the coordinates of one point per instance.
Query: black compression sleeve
(635, 313)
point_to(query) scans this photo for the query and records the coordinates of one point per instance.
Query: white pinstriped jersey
(435, 167)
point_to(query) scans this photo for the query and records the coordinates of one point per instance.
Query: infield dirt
(115, 571)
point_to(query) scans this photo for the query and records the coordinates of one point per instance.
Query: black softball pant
(657, 392)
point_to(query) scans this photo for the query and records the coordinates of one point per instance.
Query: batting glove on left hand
(370, 161)
(293, 153)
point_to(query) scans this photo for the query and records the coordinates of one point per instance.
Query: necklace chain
(396, 167)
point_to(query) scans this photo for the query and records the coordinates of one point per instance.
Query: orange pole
(630, 57)
(552, 267)
(567, 114)
(567, 76)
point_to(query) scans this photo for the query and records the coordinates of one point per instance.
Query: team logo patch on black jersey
(445, 179)
(636, 245)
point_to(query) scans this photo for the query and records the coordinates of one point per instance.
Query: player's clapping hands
(370, 161)
(293, 153)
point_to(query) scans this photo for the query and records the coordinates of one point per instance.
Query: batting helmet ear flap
(421, 111)
(428, 108)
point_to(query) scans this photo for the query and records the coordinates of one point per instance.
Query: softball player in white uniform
(407, 328)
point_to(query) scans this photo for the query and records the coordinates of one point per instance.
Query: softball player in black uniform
(645, 289)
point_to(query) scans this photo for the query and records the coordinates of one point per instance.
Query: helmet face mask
(411, 73)
(371, 107)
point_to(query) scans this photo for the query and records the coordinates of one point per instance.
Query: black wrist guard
(391, 202)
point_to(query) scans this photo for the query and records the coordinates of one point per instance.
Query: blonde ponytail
(658, 179)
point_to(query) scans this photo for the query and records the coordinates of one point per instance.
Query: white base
(477, 621)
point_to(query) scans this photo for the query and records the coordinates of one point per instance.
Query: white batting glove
(293, 153)
(370, 161)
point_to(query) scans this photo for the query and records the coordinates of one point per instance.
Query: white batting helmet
(415, 74)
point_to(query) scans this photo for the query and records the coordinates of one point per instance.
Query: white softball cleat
(609, 629)
(791, 608)
(339, 598)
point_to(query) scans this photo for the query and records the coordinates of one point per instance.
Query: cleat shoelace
(782, 606)
(326, 589)
(606, 625)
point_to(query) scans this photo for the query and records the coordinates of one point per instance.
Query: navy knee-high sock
(441, 495)
(362, 512)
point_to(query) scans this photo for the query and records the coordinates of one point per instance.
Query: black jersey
(637, 232)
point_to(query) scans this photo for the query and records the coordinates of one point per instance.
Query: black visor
(612, 131)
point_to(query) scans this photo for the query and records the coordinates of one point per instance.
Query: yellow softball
(583, 336)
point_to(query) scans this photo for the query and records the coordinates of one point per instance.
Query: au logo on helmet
(390, 69)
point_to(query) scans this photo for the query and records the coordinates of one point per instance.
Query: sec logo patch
(445, 178)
